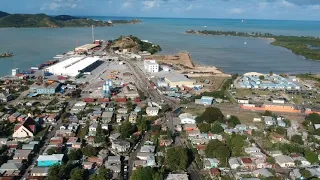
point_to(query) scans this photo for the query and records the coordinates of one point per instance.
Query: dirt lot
(182, 58)
(217, 82)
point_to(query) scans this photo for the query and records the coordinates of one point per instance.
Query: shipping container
(103, 100)
(88, 99)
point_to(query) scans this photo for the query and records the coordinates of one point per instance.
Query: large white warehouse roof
(74, 70)
(72, 66)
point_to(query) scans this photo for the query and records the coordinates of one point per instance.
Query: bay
(33, 46)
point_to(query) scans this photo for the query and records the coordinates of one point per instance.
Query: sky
(235, 9)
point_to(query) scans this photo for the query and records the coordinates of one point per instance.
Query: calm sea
(36, 45)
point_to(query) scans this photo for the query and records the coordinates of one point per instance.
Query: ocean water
(33, 46)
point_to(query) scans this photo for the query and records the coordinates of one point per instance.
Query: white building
(187, 118)
(15, 71)
(152, 111)
(151, 65)
(72, 66)
(284, 161)
(234, 163)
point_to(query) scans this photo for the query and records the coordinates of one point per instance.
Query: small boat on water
(8, 54)
(245, 43)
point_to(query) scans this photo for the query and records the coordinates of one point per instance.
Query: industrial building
(74, 66)
(261, 81)
(45, 89)
(151, 65)
(86, 48)
(177, 80)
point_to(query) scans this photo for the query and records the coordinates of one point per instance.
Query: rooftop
(53, 157)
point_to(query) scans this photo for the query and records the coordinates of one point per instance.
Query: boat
(245, 43)
(242, 20)
(205, 26)
(8, 54)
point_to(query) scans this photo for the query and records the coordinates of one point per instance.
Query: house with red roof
(26, 129)
(247, 163)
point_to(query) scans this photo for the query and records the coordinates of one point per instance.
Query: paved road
(47, 139)
(144, 84)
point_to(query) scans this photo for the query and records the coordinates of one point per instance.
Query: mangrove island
(306, 46)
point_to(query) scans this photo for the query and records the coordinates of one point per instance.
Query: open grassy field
(249, 92)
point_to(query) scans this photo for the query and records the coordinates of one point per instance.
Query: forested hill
(45, 21)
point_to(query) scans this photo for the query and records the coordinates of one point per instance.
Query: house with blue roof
(49, 160)
(210, 163)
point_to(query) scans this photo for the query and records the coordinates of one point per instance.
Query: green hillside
(45, 21)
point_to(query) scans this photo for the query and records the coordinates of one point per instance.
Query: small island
(134, 45)
(45, 21)
(306, 46)
(8, 54)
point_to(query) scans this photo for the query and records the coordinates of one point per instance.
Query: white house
(151, 65)
(284, 161)
(22, 132)
(234, 163)
(303, 160)
(152, 111)
(187, 118)
(243, 101)
(250, 150)
(269, 121)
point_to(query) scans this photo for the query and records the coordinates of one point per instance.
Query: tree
(177, 158)
(261, 77)
(267, 113)
(233, 121)
(212, 114)
(126, 129)
(53, 172)
(146, 173)
(74, 154)
(79, 174)
(204, 127)
(89, 151)
(142, 124)
(99, 138)
(271, 160)
(281, 130)
(297, 162)
(217, 128)
(236, 144)
(219, 150)
(305, 173)
(311, 156)
(103, 174)
(52, 150)
(297, 139)
(314, 118)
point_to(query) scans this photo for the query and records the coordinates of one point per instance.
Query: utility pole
(92, 35)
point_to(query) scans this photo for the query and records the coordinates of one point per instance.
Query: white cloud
(126, 5)
(150, 4)
(236, 11)
(60, 4)
(287, 4)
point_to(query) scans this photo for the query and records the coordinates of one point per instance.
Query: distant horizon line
(151, 17)
(157, 17)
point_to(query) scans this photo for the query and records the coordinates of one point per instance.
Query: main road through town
(144, 85)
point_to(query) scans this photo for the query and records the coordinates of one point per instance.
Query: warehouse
(86, 47)
(175, 79)
(73, 66)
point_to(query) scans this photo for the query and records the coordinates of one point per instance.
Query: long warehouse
(73, 66)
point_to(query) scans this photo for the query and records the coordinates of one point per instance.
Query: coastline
(298, 45)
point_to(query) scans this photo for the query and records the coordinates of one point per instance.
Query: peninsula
(134, 45)
(46, 21)
(306, 46)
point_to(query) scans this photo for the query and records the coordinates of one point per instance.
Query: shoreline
(296, 44)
